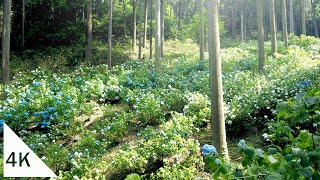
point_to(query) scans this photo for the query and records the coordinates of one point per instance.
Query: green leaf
(311, 100)
(305, 161)
(300, 95)
(259, 152)
(272, 159)
(314, 156)
(289, 157)
(133, 177)
(291, 137)
(302, 116)
(297, 151)
(316, 175)
(249, 151)
(272, 150)
(281, 113)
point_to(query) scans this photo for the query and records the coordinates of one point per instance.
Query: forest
(163, 89)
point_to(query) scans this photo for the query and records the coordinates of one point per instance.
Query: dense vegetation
(120, 89)
(95, 122)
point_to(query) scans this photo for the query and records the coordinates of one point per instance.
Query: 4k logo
(11, 159)
(19, 160)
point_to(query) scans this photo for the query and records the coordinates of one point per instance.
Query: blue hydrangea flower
(208, 149)
(217, 161)
(46, 117)
(45, 123)
(97, 142)
(306, 83)
(185, 133)
(26, 114)
(51, 109)
(241, 143)
(66, 123)
(138, 134)
(68, 98)
(8, 115)
(35, 83)
(1, 123)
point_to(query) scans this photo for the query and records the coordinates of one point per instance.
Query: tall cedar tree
(260, 34)
(140, 30)
(201, 37)
(110, 34)
(284, 23)
(157, 35)
(272, 16)
(215, 76)
(134, 33)
(89, 30)
(6, 29)
(303, 17)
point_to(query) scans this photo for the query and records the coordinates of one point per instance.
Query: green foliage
(110, 123)
(133, 177)
(295, 153)
(192, 29)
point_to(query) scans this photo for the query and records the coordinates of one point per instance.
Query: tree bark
(241, 19)
(134, 33)
(125, 18)
(140, 30)
(303, 18)
(23, 21)
(273, 28)
(151, 28)
(89, 30)
(6, 29)
(157, 36)
(201, 38)
(314, 19)
(145, 23)
(162, 27)
(284, 23)
(291, 17)
(110, 35)
(260, 34)
(215, 76)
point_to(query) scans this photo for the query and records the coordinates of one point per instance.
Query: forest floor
(91, 122)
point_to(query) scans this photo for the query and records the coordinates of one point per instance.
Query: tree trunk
(157, 36)
(245, 28)
(266, 20)
(89, 30)
(241, 19)
(215, 76)
(151, 29)
(314, 20)
(134, 34)
(284, 23)
(125, 18)
(201, 38)
(162, 27)
(273, 28)
(110, 34)
(6, 29)
(260, 34)
(291, 17)
(303, 18)
(140, 30)
(145, 23)
(23, 21)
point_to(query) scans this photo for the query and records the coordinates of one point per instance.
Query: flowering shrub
(75, 119)
(198, 106)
